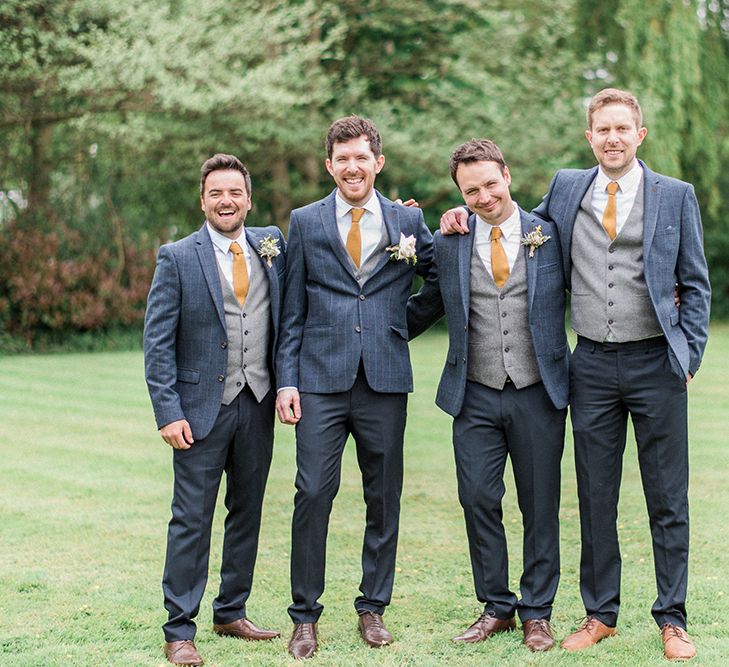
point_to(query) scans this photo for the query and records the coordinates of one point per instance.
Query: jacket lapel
(465, 253)
(328, 215)
(651, 204)
(577, 192)
(528, 224)
(254, 237)
(209, 265)
(391, 219)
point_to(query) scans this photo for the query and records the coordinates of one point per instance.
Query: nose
(613, 137)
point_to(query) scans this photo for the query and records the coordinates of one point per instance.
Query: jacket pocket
(188, 375)
(403, 333)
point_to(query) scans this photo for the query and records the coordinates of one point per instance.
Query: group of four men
(329, 316)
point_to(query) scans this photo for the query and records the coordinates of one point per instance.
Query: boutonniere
(404, 251)
(268, 249)
(534, 239)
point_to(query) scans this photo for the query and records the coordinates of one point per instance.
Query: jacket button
(610, 322)
(611, 250)
(221, 378)
(610, 303)
(358, 329)
(361, 297)
(224, 344)
(463, 360)
(611, 267)
(611, 285)
(506, 331)
(506, 349)
(503, 314)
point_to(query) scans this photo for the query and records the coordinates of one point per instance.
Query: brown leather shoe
(538, 634)
(243, 628)
(303, 642)
(677, 645)
(588, 634)
(373, 630)
(182, 653)
(486, 625)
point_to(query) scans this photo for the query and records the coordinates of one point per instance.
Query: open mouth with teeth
(226, 212)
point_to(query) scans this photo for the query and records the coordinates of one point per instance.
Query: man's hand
(689, 378)
(288, 406)
(177, 434)
(410, 203)
(454, 220)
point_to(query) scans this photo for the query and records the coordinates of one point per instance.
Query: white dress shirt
(370, 224)
(510, 239)
(223, 254)
(624, 197)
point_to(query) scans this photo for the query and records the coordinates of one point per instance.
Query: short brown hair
(615, 96)
(476, 150)
(221, 161)
(353, 127)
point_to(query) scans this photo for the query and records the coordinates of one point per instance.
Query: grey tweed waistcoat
(499, 340)
(249, 333)
(610, 300)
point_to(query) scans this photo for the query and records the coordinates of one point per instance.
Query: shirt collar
(222, 241)
(627, 182)
(509, 226)
(343, 208)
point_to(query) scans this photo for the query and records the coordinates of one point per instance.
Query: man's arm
(454, 221)
(293, 316)
(692, 274)
(160, 336)
(426, 307)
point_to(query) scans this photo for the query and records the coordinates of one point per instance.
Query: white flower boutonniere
(268, 249)
(404, 251)
(534, 239)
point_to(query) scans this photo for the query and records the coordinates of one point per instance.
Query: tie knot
(235, 248)
(612, 187)
(496, 233)
(357, 214)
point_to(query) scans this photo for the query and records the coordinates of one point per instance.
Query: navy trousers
(524, 425)
(377, 422)
(240, 444)
(609, 382)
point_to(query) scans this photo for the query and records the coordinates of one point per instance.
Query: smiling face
(226, 201)
(354, 167)
(614, 137)
(485, 189)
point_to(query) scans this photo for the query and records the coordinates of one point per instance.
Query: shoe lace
(542, 624)
(184, 643)
(671, 630)
(305, 631)
(588, 623)
(375, 619)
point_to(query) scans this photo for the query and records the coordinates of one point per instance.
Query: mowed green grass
(84, 501)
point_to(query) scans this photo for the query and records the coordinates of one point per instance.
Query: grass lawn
(84, 503)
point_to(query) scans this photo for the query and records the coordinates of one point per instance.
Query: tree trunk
(40, 168)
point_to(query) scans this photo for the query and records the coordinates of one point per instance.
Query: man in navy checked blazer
(343, 367)
(208, 362)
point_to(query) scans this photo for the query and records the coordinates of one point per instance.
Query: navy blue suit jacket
(673, 253)
(447, 290)
(331, 320)
(185, 340)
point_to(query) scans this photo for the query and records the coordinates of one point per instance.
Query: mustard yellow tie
(240, 273)
(610, 217)
(499, 263)
(354, 238)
